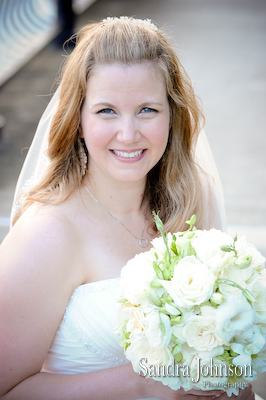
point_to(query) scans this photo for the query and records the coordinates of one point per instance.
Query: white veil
(36, 160)
(36, 163)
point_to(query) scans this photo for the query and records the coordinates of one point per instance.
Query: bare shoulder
(39, 229)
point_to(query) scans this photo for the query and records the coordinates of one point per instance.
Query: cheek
(95, 134)
(160, 134)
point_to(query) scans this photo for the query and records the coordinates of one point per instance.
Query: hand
(244, 394)
(157, 390)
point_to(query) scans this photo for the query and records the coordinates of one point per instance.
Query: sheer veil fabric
(36, 163)
(36, 160)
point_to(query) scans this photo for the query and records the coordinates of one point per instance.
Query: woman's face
(125, 120)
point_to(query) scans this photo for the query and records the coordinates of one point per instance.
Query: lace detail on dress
(106, 284)
(83, 335)
(83, 339)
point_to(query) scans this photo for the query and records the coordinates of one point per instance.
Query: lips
(126, 154)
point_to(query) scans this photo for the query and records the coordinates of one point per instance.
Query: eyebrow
(110, 105)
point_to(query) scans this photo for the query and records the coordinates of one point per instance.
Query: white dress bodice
(85, 340)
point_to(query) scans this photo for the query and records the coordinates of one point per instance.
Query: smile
(133, 154)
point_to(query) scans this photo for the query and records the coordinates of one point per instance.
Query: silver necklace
(143, 242)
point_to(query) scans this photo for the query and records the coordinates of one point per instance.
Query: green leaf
(191, 222)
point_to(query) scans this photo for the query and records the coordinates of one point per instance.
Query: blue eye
(148, 110)
(106, 111)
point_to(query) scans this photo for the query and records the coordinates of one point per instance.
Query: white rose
(136, 276)
(189, 352)
(135, 323)
(208, 244)
(191, 284)
(153, 331)
(123, 314)
(141, 348)
(233, 274)
(200, 333)
(233, 317)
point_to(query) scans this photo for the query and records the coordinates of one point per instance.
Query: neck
(119, 200)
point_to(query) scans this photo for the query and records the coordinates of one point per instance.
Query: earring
(82, 158)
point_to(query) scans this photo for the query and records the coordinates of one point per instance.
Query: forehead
(129, 78)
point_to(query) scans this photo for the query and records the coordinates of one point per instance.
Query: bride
(119, 139)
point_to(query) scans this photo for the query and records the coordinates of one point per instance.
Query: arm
(39, 271)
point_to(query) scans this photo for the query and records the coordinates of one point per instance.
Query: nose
(128, 131)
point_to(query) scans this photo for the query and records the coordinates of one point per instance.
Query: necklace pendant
(143, 242)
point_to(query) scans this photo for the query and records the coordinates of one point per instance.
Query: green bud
(192, 221)
(158, 223)
(250, 298)
(156, 285)
(244, 263)
(217, 298)
(178, 357)
(122, 300)
(227, 248)
(177, 320)
(157, 270)
(153, 297)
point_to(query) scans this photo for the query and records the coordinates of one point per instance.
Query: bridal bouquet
(192, 310)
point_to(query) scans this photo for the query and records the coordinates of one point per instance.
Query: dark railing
(26, 26)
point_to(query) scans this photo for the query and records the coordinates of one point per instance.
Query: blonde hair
(173, 185)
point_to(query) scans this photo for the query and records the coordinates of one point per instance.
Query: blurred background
(221, 44)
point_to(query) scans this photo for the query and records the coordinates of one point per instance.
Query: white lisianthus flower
(244, 249)
(259, 363)
(141, 348)
(200, 333)
(153, 331)
(233, 317)
(136, 277)
(208, 248)
(258, 290)
(191, 284)
(252, 340)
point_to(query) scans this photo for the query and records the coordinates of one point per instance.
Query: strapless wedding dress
(85, 340)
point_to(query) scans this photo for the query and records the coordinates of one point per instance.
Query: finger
(210, 393)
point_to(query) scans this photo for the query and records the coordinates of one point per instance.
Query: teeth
(128, 155)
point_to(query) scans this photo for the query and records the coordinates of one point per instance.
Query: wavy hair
(173, 185)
